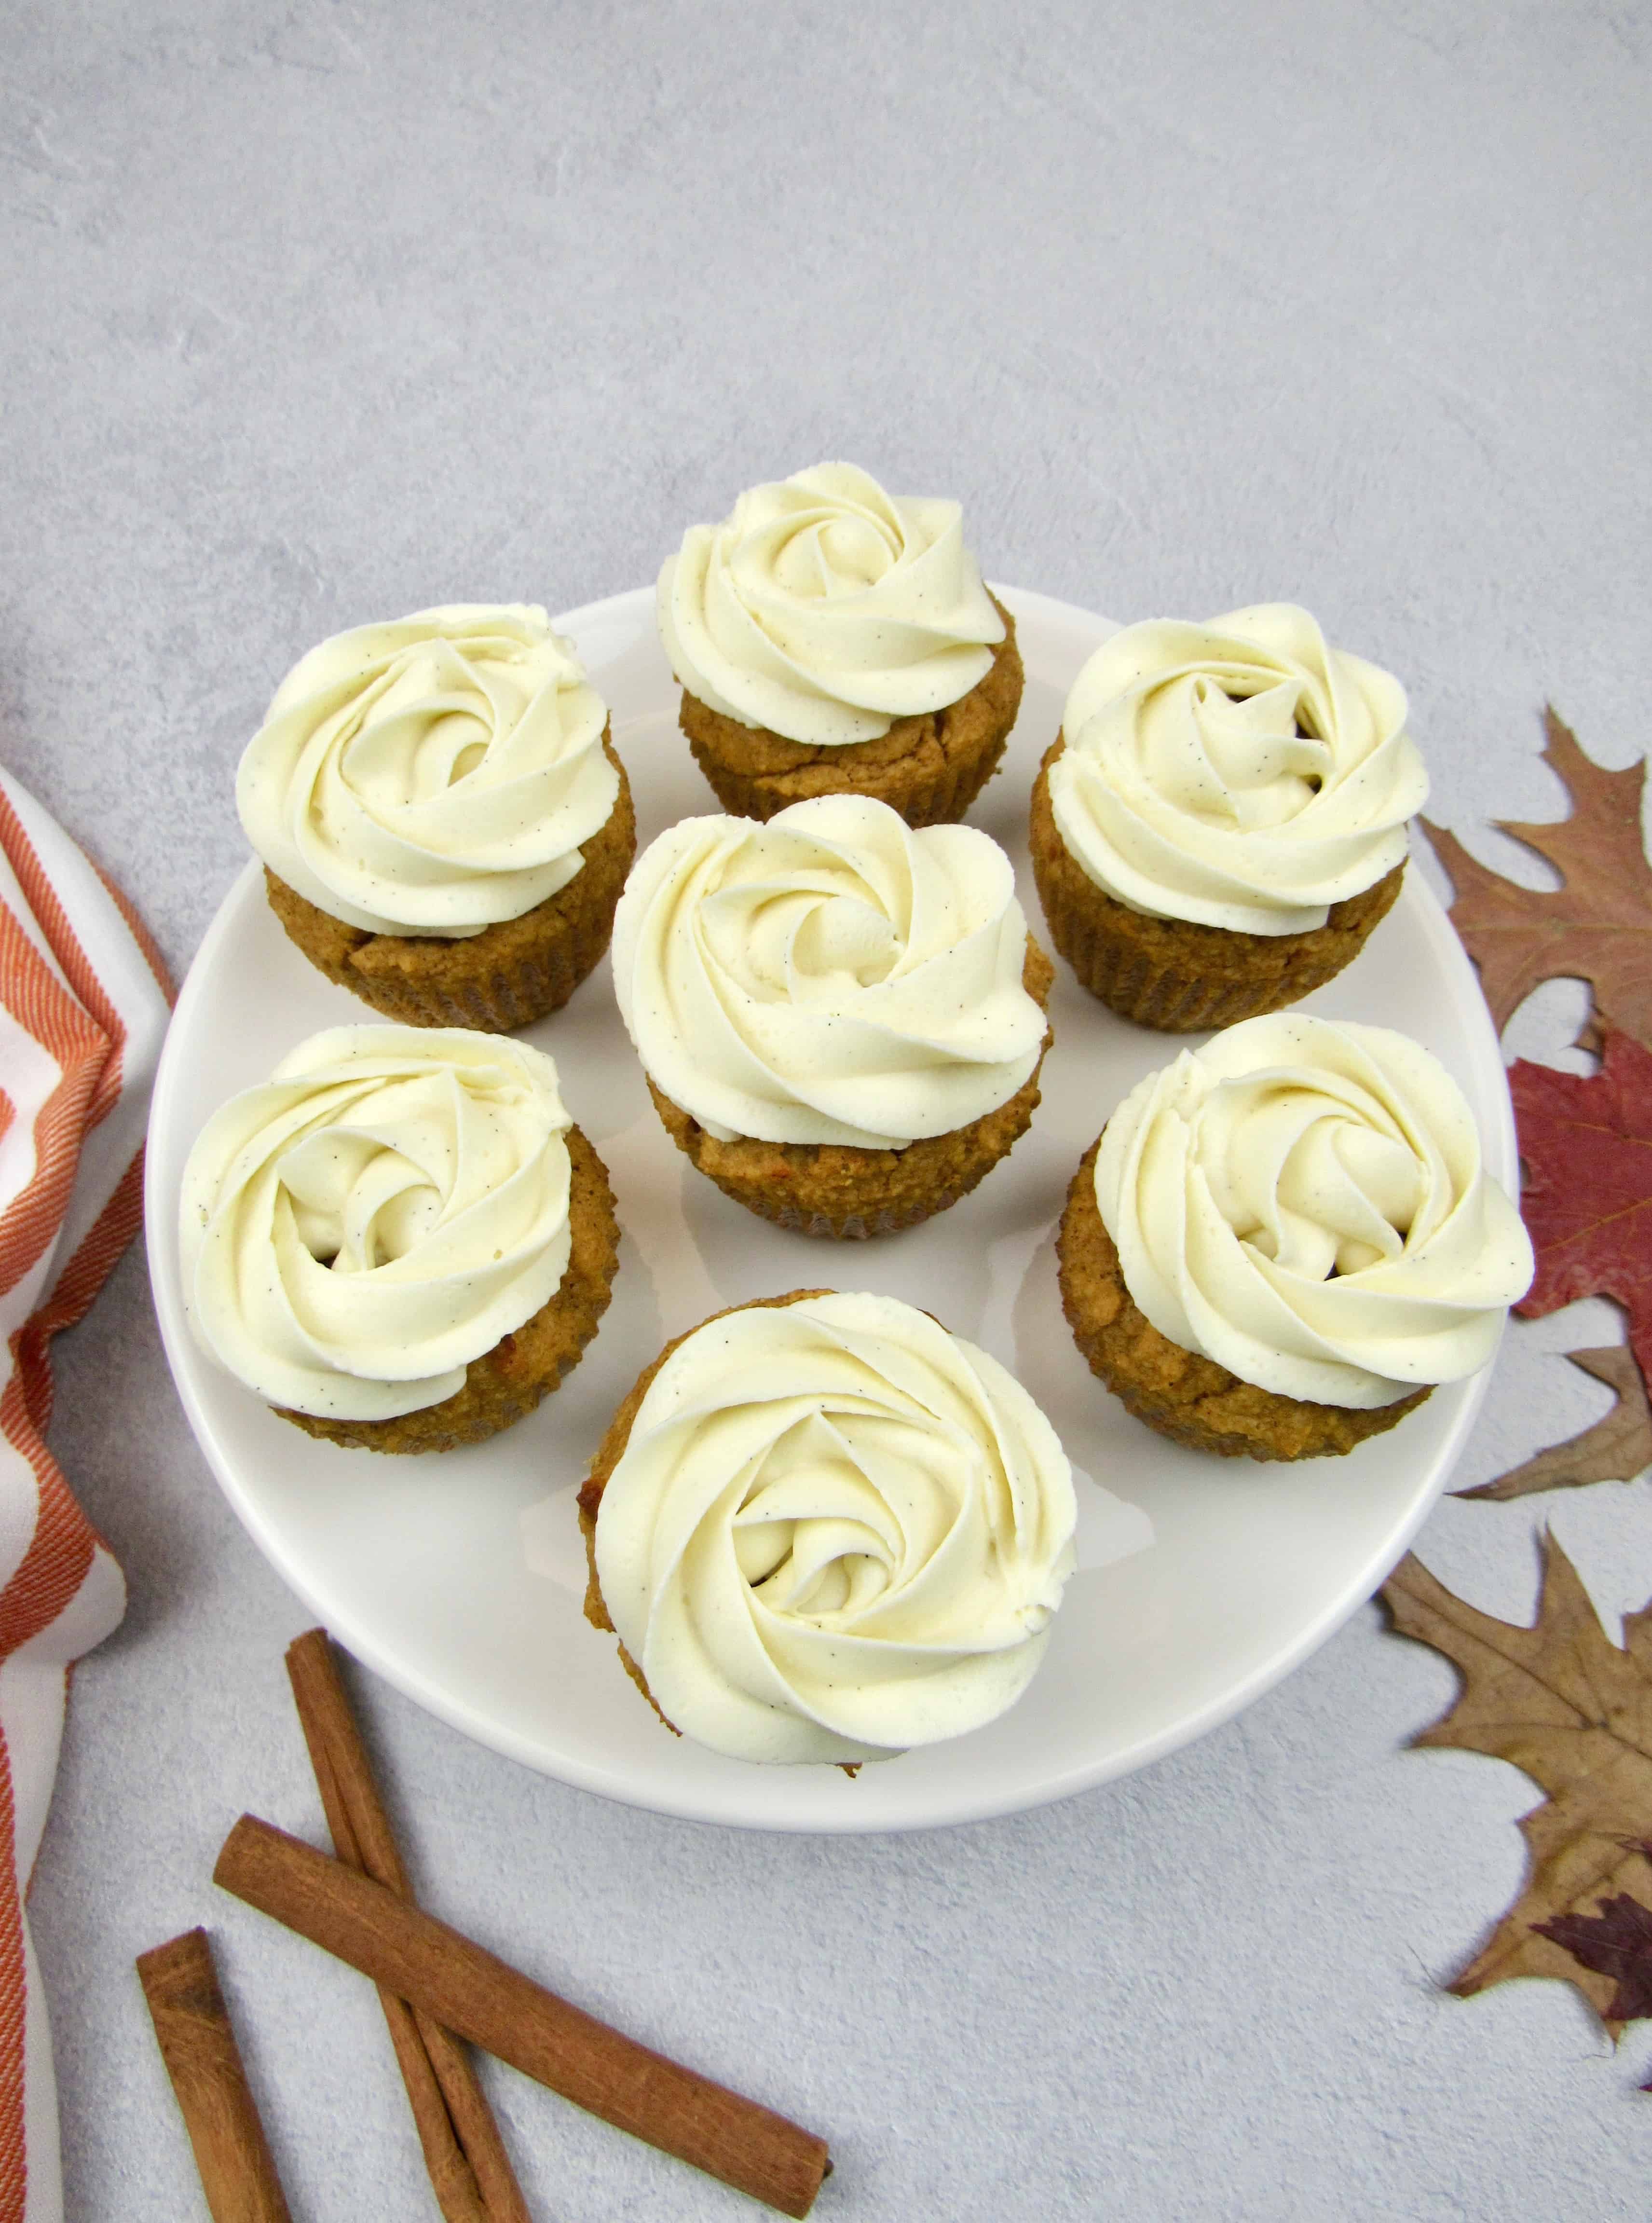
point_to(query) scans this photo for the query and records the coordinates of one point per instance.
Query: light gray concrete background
(312, 313)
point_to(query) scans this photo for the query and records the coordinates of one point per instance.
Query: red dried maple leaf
(1597, 927)
(1587, 1146)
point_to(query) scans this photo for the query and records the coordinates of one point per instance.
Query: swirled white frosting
(835, 1531)
(1241, 774)
(384, 1209)
(830, 976)
(1304, 1201)
(431, 776)
(825, 608)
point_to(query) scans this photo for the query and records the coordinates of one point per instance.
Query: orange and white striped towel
(83, 1008)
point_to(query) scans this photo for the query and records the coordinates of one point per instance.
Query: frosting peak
(830, 976)
(384, 1209)
(835, 1530)
(825, 608)
(1240, 774)
(1304, 1201)
(433, 776)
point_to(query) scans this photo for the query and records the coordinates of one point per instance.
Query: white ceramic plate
(460, 1577)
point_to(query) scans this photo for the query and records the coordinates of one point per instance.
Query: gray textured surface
(314, 313)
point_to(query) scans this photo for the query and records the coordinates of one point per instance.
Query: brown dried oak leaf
(1597, 927)
(1561, 1701)
(1615, 1449)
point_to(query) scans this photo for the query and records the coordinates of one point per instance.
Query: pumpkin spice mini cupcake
(1282, 1241)
(824, 1530)
(832, 638)
(1220, 822)
(841, 1020)
(444, 823)
(400, 1241)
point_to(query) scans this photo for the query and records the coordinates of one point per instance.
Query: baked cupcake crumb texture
(929, 767)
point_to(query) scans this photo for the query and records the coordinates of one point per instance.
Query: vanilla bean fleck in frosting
(1241, 774)
(825, 608)
(836, 1531)
(1304, 1201)
(387, 1207)
(830, 976)
(431, 776)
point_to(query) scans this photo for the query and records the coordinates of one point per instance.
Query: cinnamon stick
(197, 2044)
(469, 2169)
(470, 1992)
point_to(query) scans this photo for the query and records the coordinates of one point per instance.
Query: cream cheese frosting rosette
(431, 776)
(834, 983)
(1241, 774)
(384, 1210)
(833, 638)
(1305, 1203)
(824, 609)
(831, 1531)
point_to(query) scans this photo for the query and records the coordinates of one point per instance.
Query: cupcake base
(1179, 1393)
(1170, 973)
(506, 976)
(836, 1189)
(609, 1453)
(929, 768)
(505, 1383)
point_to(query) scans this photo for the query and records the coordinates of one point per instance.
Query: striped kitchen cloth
(83, 1007)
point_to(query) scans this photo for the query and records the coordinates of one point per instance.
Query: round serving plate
(460, 1578)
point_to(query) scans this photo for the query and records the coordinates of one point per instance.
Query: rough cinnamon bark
(471, 1991)
(470, 2171)
(197, 2044)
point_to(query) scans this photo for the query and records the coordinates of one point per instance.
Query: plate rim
(1481, 1045)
